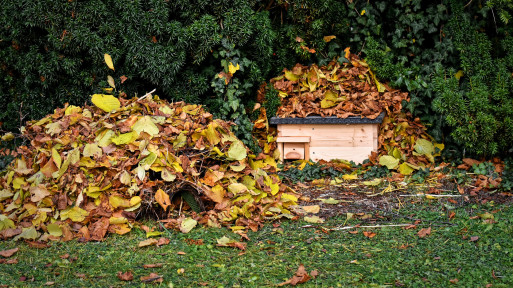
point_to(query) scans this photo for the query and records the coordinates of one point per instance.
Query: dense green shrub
(51, 52)
(477, 102)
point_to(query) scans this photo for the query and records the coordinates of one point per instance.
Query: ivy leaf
(105, 102)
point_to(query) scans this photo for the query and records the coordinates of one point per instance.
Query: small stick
(146, 95)
(370, 226)
(430, 195)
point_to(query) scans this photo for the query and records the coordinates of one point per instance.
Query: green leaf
(105, 102)
(145, 124)
(28, 233)
(424, 147)
(92, 149)
(237, 151)
(54, 230)
(76, 214)
(187, 225)
(125, 138)
(405, 169)
(389, 161)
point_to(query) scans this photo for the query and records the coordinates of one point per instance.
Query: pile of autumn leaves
(349, 88)
(90, 170)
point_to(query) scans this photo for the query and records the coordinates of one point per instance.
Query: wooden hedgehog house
(327, 138)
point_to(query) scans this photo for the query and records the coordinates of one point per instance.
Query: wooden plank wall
(334, 141)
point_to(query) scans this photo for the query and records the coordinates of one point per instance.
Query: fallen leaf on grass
(148, 242)
(424, 232)
(162, 241)
(127, 276)
(37, 244)
(474, 238)
(181, 253)
(10, 261)
(314, 219)
(227, 242)
(180, 271)
(314, 209)
(187, 225)
(9, 253)
(329, 201)
(156, 265)
(153, 277)
(301, 276)
(369, 234)
(454, 281)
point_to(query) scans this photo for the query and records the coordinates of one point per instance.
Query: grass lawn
(472, 249)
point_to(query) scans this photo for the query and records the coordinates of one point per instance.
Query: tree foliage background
(455, 54)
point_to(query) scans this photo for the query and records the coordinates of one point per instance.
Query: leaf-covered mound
(349, 88)
(342, 90)
(90, 170)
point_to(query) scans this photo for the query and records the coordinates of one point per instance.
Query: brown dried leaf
(126, 276)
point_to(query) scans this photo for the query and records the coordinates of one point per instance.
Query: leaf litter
(351, 89)
(88, 171)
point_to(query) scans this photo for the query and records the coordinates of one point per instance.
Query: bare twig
(146, 95)
(429, 195)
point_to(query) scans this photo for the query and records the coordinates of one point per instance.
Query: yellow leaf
(104, 138)
(54, 230)
(314, 219)
(148, 161)
(76, 214)
(232, 68)
(5, 223)
(135, 200)
(91, 149)
(145, 124)
(108, 61)
(363, 12)
(459, 74)
(236, 188)
(217, 193)
(105, 102)
(390, 161)
(148, 242)
(38, 193)
(167, 175)
(18, 182)
(111, 82)
(125, 138)
(187, 225)
(118, 220)
(8, 137)
(331, 99)
(291, 76)
(288, 198)
(162, 198)
(72, 110)
(314, 209)
(237, 151)
(56, 158)
(119, 201)
(405, 169)
(349, 176)
(329, 38)
(348, 52)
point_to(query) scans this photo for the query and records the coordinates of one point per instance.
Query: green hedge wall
(51, 52)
